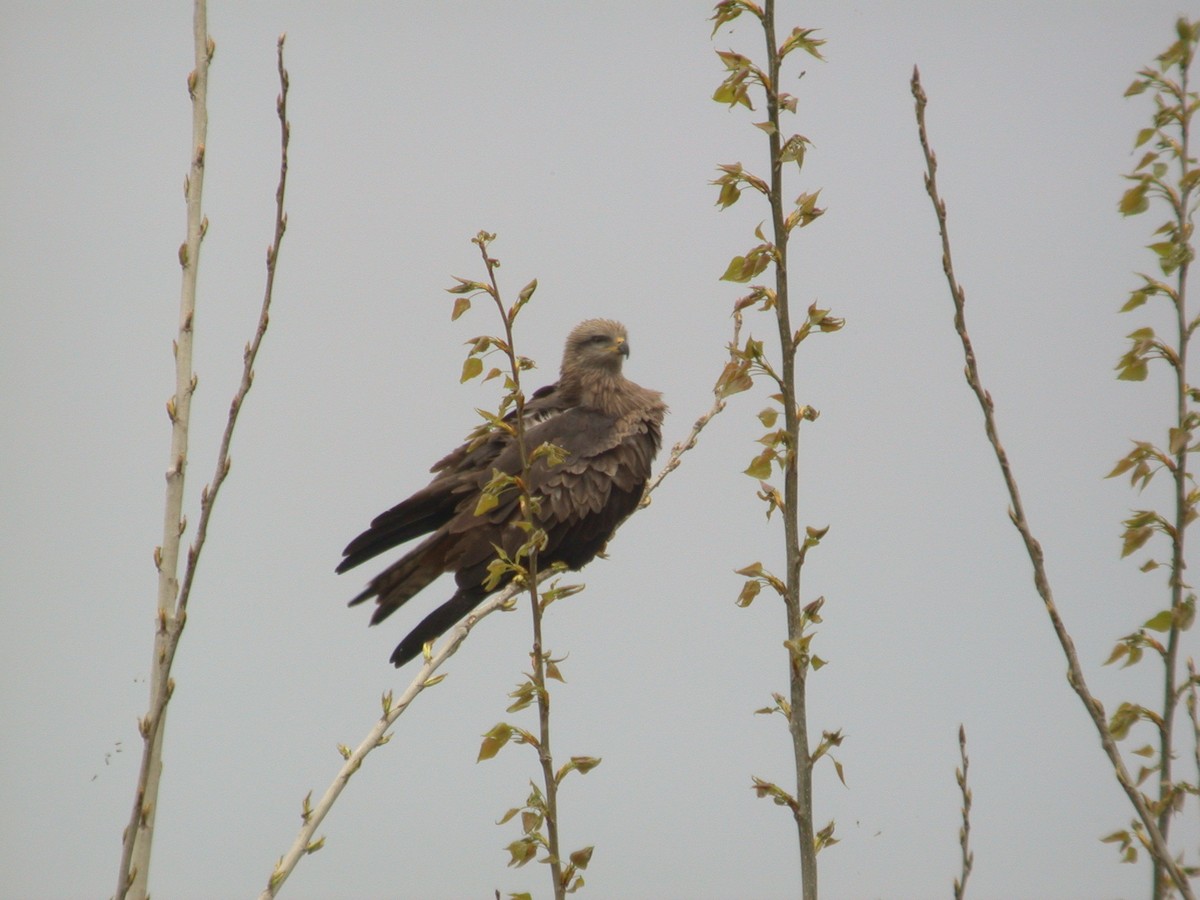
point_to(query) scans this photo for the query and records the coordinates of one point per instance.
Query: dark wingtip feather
(436, 624)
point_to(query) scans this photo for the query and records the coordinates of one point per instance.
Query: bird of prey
(610, 430)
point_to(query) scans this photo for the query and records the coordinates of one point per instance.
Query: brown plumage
(610, 429)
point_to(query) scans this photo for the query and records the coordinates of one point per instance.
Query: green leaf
(1186, 613)
(801, 38)
(730, 194)
(581, 858)
(1123, 465)
(1132, 370)
(465, 286)
(493, 741)
(531, 821)
(733, 272)
(1142, 136)
(1134, 539)
(734, 379)
(461, 305)
(749, 591)
(1118, 652)
(472, 366)
(1122, 720)
(1136, 299)
(1160, 622)
(760, 466)
(521, 851)
(487, 501)
(1134, 201)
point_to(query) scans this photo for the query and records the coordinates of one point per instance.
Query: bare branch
(698, 426)
(964, 833)
(134, 869)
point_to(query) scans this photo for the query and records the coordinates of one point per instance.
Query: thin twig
(378, 736)
(964, 833)
(1075, 677)
(1194, 714)
(698, 426)
(209, 495)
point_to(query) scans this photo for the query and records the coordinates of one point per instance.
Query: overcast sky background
(583, 135)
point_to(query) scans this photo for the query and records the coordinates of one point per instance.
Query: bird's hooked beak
(623, 347)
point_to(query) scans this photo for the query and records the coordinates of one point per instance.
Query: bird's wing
(456, 482)
(583, 498)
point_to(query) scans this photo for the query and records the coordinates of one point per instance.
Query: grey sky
(583, 135)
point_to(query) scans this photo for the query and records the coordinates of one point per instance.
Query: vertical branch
(528, 508)
(964, 833)
(797, 662)
(1075, 677)
(134, 868)
(1154, 177)
(1168, 795)
(782, 444)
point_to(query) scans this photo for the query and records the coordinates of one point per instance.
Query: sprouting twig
(677, 451)
(378, 736)
(1075, 675)
(964, 833)
(134, 868)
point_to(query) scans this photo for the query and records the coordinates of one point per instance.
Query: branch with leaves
(1149, 832)
(173, 595)
(1165, 175)
(780, 445)
(541, 807)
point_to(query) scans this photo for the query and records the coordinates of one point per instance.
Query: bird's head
(597, 344)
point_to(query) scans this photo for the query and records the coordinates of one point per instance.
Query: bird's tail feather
(402, 580)
(436, 624)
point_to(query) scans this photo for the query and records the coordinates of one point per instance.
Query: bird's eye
(598, 339)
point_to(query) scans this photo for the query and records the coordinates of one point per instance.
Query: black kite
(610, 430)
